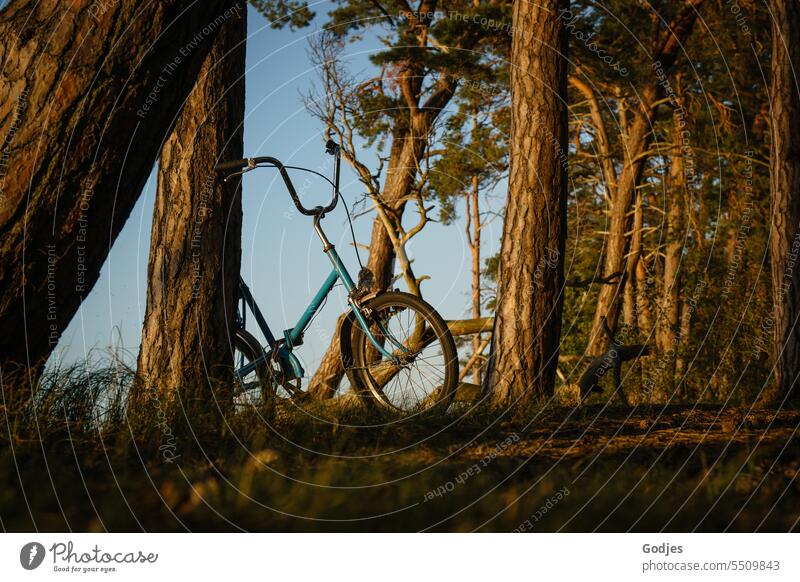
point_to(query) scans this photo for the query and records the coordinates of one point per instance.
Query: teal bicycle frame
(282, 349)
(293, 337)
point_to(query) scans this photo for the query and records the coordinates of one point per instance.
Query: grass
(73, 463)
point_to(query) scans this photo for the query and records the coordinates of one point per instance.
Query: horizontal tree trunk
(470, 326)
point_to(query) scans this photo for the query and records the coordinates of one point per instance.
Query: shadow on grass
(72, 462)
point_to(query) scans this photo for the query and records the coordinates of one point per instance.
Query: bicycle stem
(326, 244)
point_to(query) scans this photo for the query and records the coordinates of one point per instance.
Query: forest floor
(593, 468)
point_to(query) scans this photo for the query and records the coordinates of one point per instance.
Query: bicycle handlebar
(252, 163)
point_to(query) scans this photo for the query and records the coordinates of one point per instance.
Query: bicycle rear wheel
(422, 375)
(266, 381)
(253, 387)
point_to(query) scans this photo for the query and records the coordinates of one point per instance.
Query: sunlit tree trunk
(633, 288)
(195, 246)
(88, 92)
(667, 328)
(785, 187)
(527, 327)
(474, 238)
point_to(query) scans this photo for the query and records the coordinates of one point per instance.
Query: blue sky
(282, 258)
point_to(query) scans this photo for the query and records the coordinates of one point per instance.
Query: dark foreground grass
(550, 469)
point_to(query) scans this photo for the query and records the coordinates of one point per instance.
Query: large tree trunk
(195, 246)
(527, 327)
(88, 92)
(637, 143)
(785, 187)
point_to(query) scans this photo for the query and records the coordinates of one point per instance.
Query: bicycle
(397, 351)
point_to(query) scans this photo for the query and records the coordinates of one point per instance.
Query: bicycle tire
(370, 369)
(251, 349)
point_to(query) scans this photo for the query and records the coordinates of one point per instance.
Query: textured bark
(527, 327)
(668, 326)
(195, 246)
(474, 238)
(644, 312)
(629, 305)
(636, 308)
(635, 146)
(470, 326)
(87, 95)
(785, 187)
(632, 289)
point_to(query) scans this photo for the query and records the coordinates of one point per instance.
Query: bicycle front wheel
(422, 373)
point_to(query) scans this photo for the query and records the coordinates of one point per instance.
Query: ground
(595, 468)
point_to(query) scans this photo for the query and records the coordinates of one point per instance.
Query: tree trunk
(195, 246)
(644, 313)
(785, 187)
(637, 143)
(475, 247)
(330, 372)
(527, 328)
(88, 92)
(632, 291)
(608, 299)
(667, 328)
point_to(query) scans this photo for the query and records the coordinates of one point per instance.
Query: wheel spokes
(417, 376)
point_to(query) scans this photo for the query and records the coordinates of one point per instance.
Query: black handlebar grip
(231, 165)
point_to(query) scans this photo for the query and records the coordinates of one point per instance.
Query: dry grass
(74, 463)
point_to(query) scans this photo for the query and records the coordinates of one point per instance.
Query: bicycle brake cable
(347, 208)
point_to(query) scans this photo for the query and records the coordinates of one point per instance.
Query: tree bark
(88, 92)
(636, 144)
(474, 237)
(527, 327)
(785, 187)
(668, 325)
(644, 312)
(195, 246)
(330, 372)
(631, 304)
